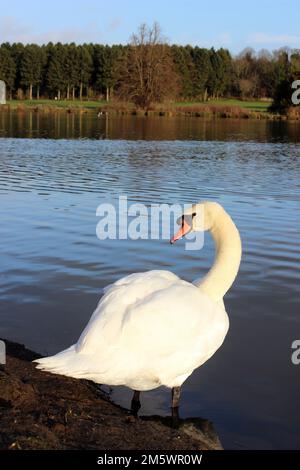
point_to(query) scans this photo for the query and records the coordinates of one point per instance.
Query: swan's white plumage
(149, 329)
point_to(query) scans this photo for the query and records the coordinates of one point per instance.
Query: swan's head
(198, 218)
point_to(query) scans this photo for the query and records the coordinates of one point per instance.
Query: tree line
(145, 71)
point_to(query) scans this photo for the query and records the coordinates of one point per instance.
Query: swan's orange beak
(184, 229)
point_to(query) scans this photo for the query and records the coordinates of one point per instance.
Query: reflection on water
(63, 125)
(53, 267)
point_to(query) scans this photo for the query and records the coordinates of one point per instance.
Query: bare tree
(147, 69)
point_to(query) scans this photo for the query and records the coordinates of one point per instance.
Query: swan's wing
(171, 316)
(151, 278)
(148, 329)
(178, 326)
(104, 326)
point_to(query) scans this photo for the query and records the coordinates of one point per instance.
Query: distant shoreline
(222, 109)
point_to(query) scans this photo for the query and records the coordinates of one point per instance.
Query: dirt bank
(39, 410)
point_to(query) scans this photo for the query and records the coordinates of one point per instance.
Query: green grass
(223, 108)
(251, 105)
(61, 103)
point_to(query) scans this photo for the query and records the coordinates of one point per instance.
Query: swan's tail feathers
(67, 362)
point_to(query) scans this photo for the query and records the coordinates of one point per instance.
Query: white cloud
(276, 39)
(12, 30)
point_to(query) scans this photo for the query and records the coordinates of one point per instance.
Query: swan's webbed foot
(135, 403)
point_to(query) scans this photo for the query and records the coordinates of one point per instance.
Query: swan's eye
(193, 214)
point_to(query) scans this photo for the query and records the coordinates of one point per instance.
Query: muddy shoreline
(39, 410)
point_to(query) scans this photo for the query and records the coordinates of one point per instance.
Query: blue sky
(233, 24)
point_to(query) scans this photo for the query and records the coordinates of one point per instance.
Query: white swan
(152, 329)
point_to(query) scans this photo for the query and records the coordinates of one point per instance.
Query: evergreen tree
(185, 69)
(85, 65)
(16, 53)
(225, 71)
(71, 68)
(32, 64)
(203, 72)
(56, 75)
(7, 67)
(106, 68)
(287, 71)
(216, 75)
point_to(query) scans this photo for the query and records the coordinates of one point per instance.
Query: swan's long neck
(227, 260)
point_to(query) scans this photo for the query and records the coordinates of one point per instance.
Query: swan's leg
(135, 402)
(175, 405)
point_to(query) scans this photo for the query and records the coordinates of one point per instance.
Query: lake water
(53, 267)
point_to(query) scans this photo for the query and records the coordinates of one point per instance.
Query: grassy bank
(46, 411)
(250, 105)
(226, 108)
(56, 103)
